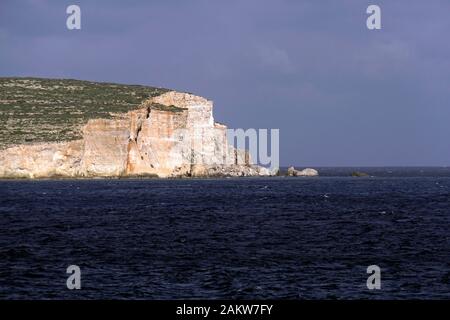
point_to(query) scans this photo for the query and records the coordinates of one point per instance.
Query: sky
(340, 94)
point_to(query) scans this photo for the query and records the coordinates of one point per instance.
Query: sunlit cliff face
(173, 134)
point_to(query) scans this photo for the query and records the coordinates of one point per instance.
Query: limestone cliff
(169, 135)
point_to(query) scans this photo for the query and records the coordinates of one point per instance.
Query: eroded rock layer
(170, 135)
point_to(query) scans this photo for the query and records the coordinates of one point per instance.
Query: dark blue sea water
(294, 238)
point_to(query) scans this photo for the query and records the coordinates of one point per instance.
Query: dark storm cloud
(340, 94)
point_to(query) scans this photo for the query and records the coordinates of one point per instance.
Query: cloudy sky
(341, 95)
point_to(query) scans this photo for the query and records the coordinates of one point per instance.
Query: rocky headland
(75, 129)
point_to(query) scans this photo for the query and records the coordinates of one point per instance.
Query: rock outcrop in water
(359, 174)
(308, 172)
(171, 135)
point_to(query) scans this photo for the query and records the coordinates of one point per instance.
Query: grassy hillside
(38, 110)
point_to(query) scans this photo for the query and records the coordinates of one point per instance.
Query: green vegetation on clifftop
(50, 110)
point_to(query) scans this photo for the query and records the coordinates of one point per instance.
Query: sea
(229, 238)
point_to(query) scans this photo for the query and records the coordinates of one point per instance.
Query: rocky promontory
(110, 134)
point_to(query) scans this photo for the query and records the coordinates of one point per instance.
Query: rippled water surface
(306, 238)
